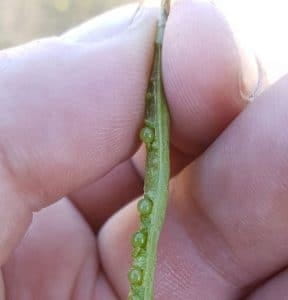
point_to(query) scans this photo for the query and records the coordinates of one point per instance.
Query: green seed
(145, 206)
(147, 135)
(139, 239)
(141, 260)
(135, 276)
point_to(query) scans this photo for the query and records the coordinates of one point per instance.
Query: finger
(57, 259)
(99, 200)
(103, 289)
(126, 184)
(227, 226)
(275, 288)
(107, 25)
(203, 74)
(241, 188)
(61, 116)
(2, 287)
(206, 77)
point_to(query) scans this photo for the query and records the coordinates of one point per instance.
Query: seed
(147, 135)
(139, 239)
(145, 206)
(135, 276)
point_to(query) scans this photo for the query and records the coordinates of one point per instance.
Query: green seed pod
(135, 276)
(147, 135)
(145, 206)
(152, 207)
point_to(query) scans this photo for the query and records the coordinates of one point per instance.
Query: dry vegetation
(21, 21)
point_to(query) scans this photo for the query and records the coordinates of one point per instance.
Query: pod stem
(152, 207)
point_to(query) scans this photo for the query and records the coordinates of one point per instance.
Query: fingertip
(102, 26)
(112, 24)
(202, 69)
(72, 113)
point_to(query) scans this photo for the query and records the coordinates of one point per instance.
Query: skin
(225, 235)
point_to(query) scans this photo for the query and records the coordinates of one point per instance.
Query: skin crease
(225, 234)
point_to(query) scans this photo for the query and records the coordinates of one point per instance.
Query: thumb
(70, 113)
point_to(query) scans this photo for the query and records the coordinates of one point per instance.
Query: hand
(71, 109)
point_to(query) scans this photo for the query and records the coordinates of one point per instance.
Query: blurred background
(23, 20)
(261, 26)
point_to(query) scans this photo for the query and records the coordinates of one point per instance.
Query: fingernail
(252, 78)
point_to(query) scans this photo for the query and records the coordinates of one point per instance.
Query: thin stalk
(152, 207)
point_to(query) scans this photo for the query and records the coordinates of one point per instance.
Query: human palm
(71, 111)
